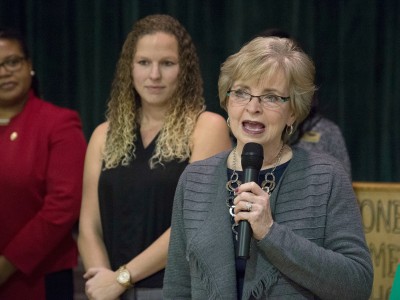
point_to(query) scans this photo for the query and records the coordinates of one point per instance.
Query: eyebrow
(13, 56)
(142, 56)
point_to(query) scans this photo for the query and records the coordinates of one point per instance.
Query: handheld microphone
(252, 159)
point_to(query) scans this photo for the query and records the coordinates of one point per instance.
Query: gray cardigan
(316, 248)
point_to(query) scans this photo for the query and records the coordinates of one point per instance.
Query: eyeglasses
(13, 64)
(269, 100)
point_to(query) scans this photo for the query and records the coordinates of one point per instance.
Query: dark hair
(314, 116)
(15, 35)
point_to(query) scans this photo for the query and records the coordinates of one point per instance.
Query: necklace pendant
(231, 211)
(268, 184)
(235, 231)
(229, 201)
(231, 185)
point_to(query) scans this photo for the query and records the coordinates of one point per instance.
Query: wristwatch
(124, 277)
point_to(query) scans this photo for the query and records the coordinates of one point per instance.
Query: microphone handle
(245, 232)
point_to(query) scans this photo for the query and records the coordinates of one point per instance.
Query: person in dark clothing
(156, 125)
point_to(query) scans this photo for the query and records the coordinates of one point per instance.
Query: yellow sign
(380, 209)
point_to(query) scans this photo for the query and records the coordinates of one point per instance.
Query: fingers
(91, 272)
(249, 193)
(252, 187)
(243, 206)
(249, 206)
(252, 204)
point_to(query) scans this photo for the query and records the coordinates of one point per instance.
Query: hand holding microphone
(252, 159)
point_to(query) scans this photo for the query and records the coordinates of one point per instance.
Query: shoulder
(54, 121)
(314, 162)
(209, 163)
(210, 119)
(210, 136)
(101, 130)
(314, 173)
(99, 135)
(51, 111)
(327, 122)
(97, 143)
(209, 124)
(206, 169)
(326, 125)
(306, 157)
(212, 160)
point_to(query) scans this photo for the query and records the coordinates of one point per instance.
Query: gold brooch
(13, 136)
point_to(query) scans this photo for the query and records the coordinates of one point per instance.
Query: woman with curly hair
(156, 125)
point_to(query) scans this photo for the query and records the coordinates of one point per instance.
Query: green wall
(355, 45)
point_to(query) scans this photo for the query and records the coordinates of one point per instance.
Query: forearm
(101, 282)
(92, 251)
(151, 260)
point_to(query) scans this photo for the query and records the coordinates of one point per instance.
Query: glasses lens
(13, 64)
(239, 97)
(269, 101)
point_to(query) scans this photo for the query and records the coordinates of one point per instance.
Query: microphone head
(252, 156)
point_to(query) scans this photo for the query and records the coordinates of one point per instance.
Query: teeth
(253, 125)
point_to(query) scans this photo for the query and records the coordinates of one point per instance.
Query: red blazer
(42, 153)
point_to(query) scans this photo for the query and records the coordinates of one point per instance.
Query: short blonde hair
(263, 57)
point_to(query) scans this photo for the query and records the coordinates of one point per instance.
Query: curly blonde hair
(261, 58)
(174, 140)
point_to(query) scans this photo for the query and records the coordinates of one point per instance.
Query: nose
(155, 71)
(254, 106)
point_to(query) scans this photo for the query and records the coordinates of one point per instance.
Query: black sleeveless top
(136, 206)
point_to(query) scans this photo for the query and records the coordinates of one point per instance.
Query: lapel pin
(13, 136)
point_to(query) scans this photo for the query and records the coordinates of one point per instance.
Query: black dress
(136, 207)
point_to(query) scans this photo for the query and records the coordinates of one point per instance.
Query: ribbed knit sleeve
(317, 240)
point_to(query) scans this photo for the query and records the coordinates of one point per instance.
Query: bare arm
(90, 239)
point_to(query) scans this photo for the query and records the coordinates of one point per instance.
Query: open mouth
(253, 127)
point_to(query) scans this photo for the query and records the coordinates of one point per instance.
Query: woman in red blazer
(42, 150)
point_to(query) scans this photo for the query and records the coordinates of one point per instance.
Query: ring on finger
(249, 206)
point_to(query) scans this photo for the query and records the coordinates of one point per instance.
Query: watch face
(123, 276)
